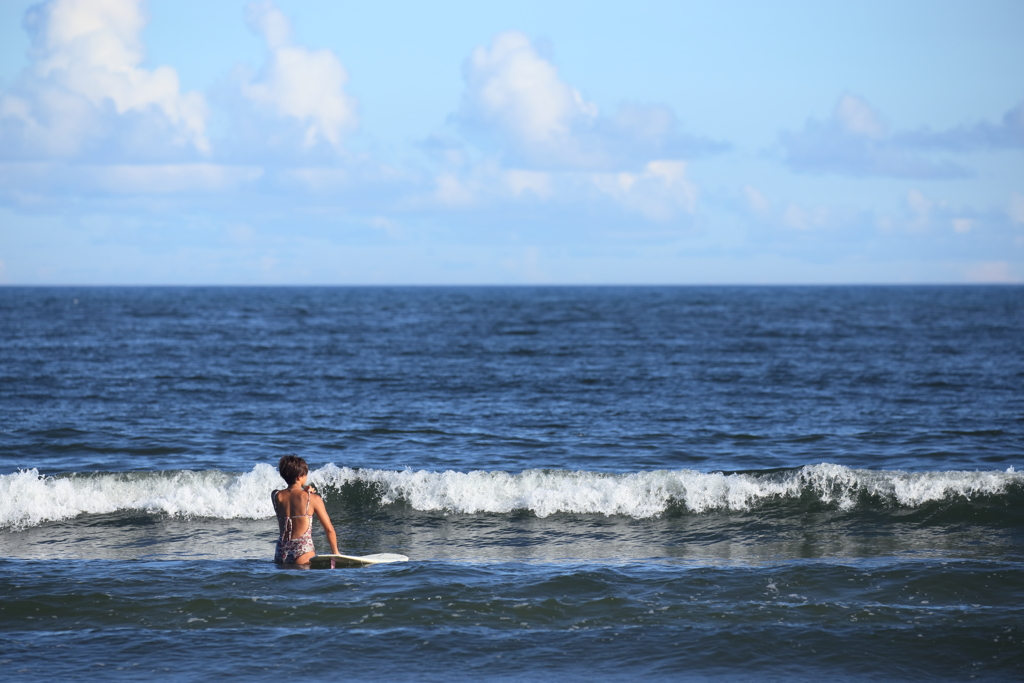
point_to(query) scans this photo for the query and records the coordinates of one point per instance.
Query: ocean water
(602, 483)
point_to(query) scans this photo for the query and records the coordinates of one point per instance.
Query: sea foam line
(648, 494)
(29, 499)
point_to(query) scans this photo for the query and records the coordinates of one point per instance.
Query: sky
(183, 142)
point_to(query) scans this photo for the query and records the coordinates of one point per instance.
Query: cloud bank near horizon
(107, 164)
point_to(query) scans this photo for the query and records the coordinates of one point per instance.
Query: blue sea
(591, 483)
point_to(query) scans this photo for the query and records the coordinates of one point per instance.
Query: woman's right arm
(321, 513)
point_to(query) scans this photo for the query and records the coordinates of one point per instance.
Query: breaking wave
(29, 499)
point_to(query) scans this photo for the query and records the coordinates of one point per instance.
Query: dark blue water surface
(678, 483)
(597, 378)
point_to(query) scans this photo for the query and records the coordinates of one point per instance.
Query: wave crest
(29, 499)
(649, 494)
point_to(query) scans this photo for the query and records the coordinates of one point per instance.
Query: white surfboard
(343, 561)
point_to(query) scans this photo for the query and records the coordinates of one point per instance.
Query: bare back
(295, 505)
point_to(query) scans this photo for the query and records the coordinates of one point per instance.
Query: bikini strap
(273, 499)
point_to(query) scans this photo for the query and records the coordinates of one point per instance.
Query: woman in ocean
(295, 507)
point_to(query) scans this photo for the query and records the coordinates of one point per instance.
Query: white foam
(648, 494)
(28, 499)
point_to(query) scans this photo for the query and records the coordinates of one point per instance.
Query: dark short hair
(291, 468)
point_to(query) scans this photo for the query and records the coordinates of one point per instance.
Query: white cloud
(487, 184)
(660, 192)
(927, 218)
(855, 141)
(513, 87)
(530, 136)
(305, 85)
(1006, 134)
(516, 98)
(85, 85)
(856, 116)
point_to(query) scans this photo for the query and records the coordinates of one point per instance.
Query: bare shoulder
(318, 502)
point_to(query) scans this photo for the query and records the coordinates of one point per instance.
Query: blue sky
(309, 142)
